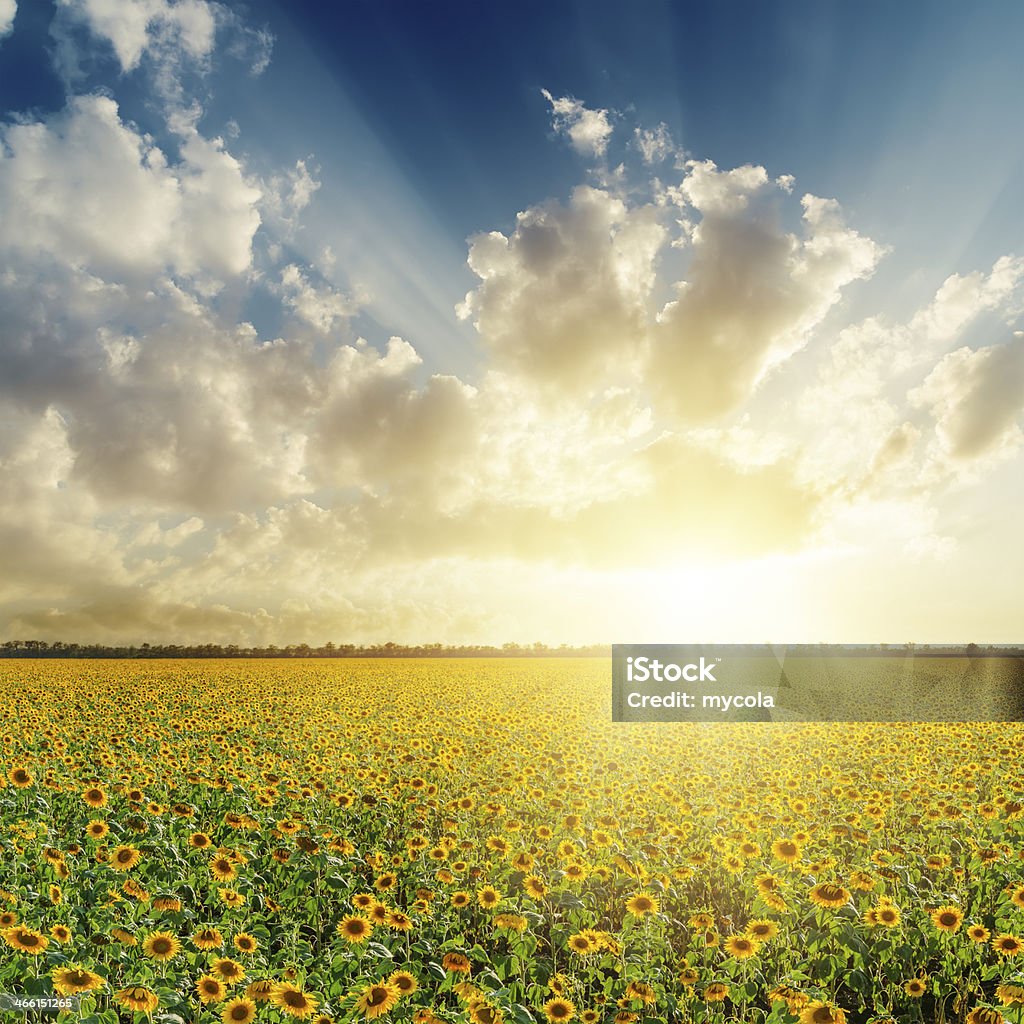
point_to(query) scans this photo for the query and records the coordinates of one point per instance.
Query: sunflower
(559, 1009)
(534, 887)
(1011, 995)
(229, 971)
(1007, 945)
(95, 797)
(794, 999)
(581, 944)
(169, 903)
(488, 897)
(762, 930)
(293, 1001)
(364, 900)
(511, 922)
(985, 1015)
(124, 858)
(825, 894)
(199, 841)
(786, 850)
(384, 882)
(61, 932)
(354, 929)
(97, 828)
(642, 903)
(818, 1012)
(405, 982)
(887, 914)
(208, 938)
(21, 778)
(379, 913)
(978, 933)
(8, 919)
(741, 946)
(479, 1013)
(260, 991)
(377, 998)
(223, 869)
(245, 943)
(210, 989)
(70, 980)
(947, 919)
(231, 898)
(26, 940)
(461, 899)
(238, 1011)
(716, 992)
(137, 998)
(916, 987)
(456, 963)
(642, 991)
(161, 946)
(399, 921)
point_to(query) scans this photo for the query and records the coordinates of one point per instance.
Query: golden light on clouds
(676, 431)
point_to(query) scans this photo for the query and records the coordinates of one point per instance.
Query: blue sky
(774, 246)
(905, 112)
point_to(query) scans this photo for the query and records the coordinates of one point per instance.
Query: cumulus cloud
(169, 474)
(8, 9)
(135, 27)
(320, 306)
(859, 401)
(976, 398)
(752, 293)
(173, 42)
(587, 130)
(285, 196)
(563, 298)
(85, 188)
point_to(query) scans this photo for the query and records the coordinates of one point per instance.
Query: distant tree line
(57, 649)
(43, 649)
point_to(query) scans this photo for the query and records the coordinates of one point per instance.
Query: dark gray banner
(813, 683)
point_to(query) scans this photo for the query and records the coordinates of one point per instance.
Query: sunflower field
(475, 841)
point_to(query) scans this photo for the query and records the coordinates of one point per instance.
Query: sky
(560, 322)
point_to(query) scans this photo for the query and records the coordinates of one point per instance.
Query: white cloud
(752, 294)
(587, 130)
(563, 298)
(319, 306)
(976, 397)
(85, 188)
(860, 396)
(135, 27)
(8, 9)
(154, 445)
(655, 144)
(285, 196)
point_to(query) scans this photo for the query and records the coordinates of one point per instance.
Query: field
(474, 840)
